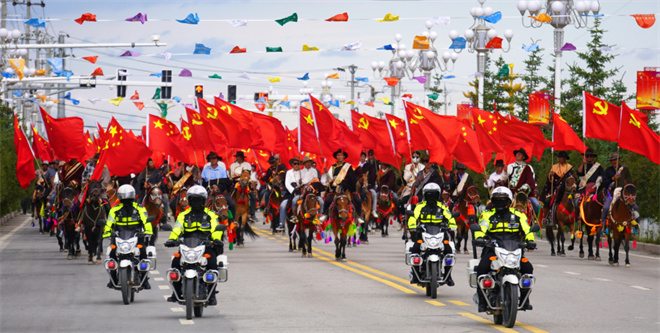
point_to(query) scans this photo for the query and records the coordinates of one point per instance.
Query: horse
(591, 208)
(620, 221)
(563, 215)
(341, 219)
(90, 214)
(386, 210)
(181, 202)
(307, 219)
(367, 202)
(218, 204)
(38, 204)
(67, 224)
(111, 193)
(241, 196)
(467, 206)
(153, 203)
(275, 198)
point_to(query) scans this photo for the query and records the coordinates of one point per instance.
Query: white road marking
(154, 272)
(186, 322)
(176, 309)
(164, 287)
(601, 279)
(3, 239)
(539, 265)
(166, 297)
(159, 279)
(572, 273)
(647, 257)
(640, 288)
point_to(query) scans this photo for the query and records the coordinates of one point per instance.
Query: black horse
(66, 223)
(92, 217)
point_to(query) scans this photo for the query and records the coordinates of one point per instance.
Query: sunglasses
(295, 163)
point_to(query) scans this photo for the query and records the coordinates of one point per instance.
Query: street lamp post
(477, 38)
(562, 13)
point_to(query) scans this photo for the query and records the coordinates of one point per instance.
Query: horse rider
(149, 177)
(497, 178)
(553, 189)
(448, 182)
(309, 176)
(426, 176)
(342, 174)
(591, 174)
(254, 195)
(236, 168)
(276, 169)
(616, 177)
(503, 223)
(386, 177)
(52, 179)
(521, 174)
(215, 174)
(200, 222)
(431, 210)
(463, 181)
(292, 184)
(368, 169)
(410, 172)
(128, 215)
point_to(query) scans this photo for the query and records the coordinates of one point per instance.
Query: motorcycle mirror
(166, 227)
(535, 228)
(151, 219)
(221, 227)
(475, 227)
(455, 214)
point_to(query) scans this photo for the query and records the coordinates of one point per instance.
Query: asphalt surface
(272, 290)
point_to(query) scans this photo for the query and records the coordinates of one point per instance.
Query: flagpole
(316, 130)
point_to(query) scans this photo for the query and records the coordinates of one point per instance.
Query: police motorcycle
(429, 264)
(502, 284)
(197, 283)
(130, 271)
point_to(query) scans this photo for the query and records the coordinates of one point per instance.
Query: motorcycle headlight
(126, 246)
(510, 259)
(192, 255)
(433, 241)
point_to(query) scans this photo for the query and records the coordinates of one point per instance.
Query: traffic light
(166, 91)
(231, 93)
(199, 91)
(121, 77)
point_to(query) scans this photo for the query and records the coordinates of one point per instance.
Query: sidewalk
(11, 224)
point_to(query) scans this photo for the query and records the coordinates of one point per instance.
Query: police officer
(431, 210)
(128, 215)
(503, 223)
(196, 221)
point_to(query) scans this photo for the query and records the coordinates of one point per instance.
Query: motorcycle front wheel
(434, 280)
(125, 288)
(188, 287)
(510, 305)
(199, 311)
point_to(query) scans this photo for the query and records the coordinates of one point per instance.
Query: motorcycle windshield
(127, 233)
(193, 241)
(433, 228)
(508, 244)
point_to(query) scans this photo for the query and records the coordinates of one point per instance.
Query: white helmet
(126, 192)
(431, 187)
(502, 192)
(197, 191)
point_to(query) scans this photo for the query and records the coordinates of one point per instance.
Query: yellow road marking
(373, 277)
(486, 322)
(459, 303)
(530, 328)
(436, 303)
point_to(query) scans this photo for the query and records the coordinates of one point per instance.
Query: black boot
(526, 306)
(449, 281)
(413, 277)
(212, 299)
(146, 284)
(172, 298)
(483, 306)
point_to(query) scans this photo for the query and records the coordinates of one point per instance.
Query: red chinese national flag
(419, 125)
(122, 153)
(307, 138)
(90, 147)
(397, 127)
(290, 146)
(331, 133)
(163, 136)
(486, 128)
(218, 129)
(238, 124)
(351, 143)
(24, 157)
(637, 136)
(375, 134)
(273, 135)
(65, 136)
(601, 119)
(564, 137)
(515, 134)
(41, 147)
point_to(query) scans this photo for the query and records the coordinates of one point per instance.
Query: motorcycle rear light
(488, 283)
(143, 266)
(174, 276)
(111, 264)
(417, 260)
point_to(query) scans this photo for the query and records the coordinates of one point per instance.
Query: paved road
(272, 290)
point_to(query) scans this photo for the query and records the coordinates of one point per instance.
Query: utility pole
(445, 93)
(352, 69)
(3, 22)
(61, 112)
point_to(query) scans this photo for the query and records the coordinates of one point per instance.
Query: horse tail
(249, 231)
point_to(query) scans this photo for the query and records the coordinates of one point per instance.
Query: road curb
(641, 247)
(8, 217)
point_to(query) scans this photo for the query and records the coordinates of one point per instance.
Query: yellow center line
(486, 322)
(436, 303)
(459, 303)
(530, 328)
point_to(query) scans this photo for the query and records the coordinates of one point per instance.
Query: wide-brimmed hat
(307, 159)
(272, 160)
(240, 154)
(295, 159)
(563, 154)
(614, 156)
(460, 166)
(522, 151)
(499, 163)
(590, 151)
(44, 162)
(56, 162)
(213, 155)
(340, 151)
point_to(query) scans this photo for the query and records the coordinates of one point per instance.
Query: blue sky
(636, 47)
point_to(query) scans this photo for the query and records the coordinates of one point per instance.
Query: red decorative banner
(648, 84)
(464, 111)
(539, 108)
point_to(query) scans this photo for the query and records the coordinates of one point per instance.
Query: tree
(11, 192)
(437, 104)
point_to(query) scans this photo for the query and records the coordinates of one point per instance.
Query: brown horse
(341, 219)
(620, 221)
(564, 215)
(367, 201)
(66, 223)
(590, 212)
(241, 195)
(38, 204)
(153, 203)
(309, 209)
(275, 199)
(218, 204)
(93, 211)
(386, 209)
(181, 200)
(467, 206)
